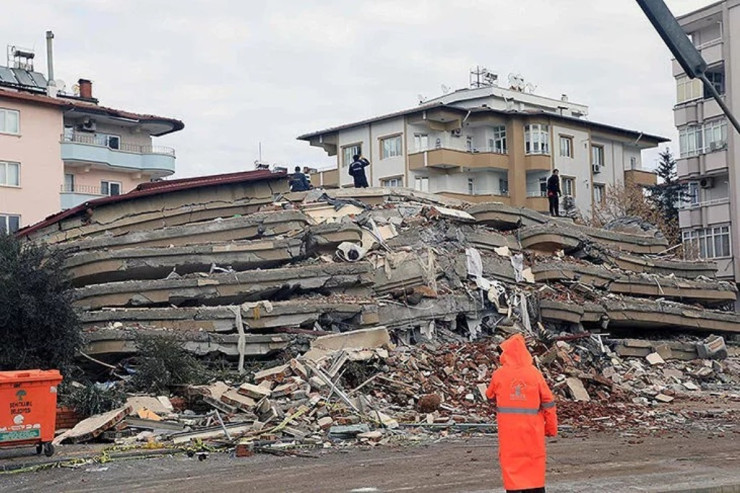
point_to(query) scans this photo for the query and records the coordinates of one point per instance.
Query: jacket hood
(514, 351)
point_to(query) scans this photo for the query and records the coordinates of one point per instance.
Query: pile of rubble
(247, 271)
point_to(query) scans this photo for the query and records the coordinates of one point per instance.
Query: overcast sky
(243, 72)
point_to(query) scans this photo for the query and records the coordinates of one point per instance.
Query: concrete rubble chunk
(577, 390)
(276, 373)
(654, 359)
(663, 398)
(364, 338)
(254, 391)
(713, 347)
(241, 402)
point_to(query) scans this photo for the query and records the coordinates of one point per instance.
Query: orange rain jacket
(525, 415)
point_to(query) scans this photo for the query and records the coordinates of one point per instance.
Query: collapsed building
(235, 266)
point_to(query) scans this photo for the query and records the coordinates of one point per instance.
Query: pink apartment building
(60, 150)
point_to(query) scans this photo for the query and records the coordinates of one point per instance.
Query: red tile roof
(156, 188)
(73, 104)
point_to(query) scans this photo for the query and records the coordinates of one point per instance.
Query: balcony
(711, 52)
(640, 177)
(325, 179)
(537, 162)
(537, 202)
(157, 160)
(72, 196)
(448, 158)
(716, 211)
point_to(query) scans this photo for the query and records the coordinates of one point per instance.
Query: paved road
(603, 463)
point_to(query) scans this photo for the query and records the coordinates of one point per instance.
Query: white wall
(352, 136)
(390, 167)
(578, 167)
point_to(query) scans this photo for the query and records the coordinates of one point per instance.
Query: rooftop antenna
(482, 77)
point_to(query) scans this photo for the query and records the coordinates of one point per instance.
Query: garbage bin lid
(22, 376)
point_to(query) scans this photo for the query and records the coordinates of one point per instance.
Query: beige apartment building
(60, 148)
(709, 147)
(490, 143)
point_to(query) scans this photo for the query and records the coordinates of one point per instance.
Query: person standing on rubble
(553, 193)
(299, 182)
(525, 414)
(357, 171)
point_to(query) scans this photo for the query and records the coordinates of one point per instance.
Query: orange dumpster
(28, 407)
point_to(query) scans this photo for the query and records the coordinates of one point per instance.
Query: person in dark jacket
(299, 182)
(357, 171)
(553, 193)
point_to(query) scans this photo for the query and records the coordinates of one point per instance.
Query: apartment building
(709, 147)
(490, 143)
(61, 148)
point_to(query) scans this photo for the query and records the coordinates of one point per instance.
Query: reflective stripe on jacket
(525, 414)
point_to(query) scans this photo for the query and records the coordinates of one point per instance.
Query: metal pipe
(49, 56)
(721, 102)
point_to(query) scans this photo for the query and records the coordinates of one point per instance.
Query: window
(599, 193)
(110, 188)
(390, 147)
(536, 139)
(421, 142)
(108, 140)
(348, 152)
(69, 182)
(689, 140)
(10, 174)
(597, 155)
(10, 121)
(503, 186)
(421, 183)
(9, 223)
(633, 162)
(498, 143)
(543, 187)
(717, 78)
(688, 89)
(566, 146)
(569, 186)
(698, 139)
(708, 242)
(391, 182)
(471, 186)
(715, 135)
(691, 197)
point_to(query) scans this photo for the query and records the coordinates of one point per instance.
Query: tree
(38, 325)
(667, 195)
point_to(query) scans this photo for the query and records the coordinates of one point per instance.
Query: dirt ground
(680, 461)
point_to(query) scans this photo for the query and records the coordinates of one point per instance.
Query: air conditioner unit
(88, 125)
(716, 146)
(706, 182)
(596, 168)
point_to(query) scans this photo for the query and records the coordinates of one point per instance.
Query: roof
(72, 105)
(156, 188)
(605, 127)
(586, 123)
(405, 112)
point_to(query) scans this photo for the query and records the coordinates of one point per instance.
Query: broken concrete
(230, 288)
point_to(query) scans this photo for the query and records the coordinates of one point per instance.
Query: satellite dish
(76, 89)
(445, 89)
(59, 83)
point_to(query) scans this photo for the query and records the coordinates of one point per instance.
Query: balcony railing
(706, 203)
(538, 193)
(116, 145)
(447, 147)
(84, 189)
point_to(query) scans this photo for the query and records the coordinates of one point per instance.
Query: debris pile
(366, 312)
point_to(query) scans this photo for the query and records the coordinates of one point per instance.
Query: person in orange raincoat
(526, 413)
